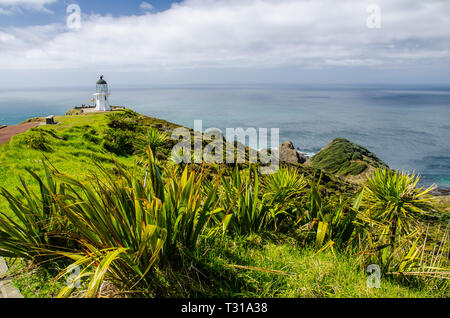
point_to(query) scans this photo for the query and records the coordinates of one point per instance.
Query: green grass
(306, 274)
(73, 148)
(259, 266)
(70, 152)
(34, 281)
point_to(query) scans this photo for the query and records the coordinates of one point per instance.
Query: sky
(44, 43)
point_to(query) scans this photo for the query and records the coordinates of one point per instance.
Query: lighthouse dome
(101, 81)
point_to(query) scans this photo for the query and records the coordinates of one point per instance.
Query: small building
(101, 97)
(50, 120)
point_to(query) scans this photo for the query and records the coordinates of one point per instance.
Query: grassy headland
(109, 199)
(346, 159)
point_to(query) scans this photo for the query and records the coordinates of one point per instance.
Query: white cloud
(26, 2)
(5, 11)
(146, 6)
(241, 34)
(9, 7)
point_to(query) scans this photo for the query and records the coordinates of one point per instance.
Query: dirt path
(7, 290)
(8, 132)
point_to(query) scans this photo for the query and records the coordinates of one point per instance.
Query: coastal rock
(290, 155)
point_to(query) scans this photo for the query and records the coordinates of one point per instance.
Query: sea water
(407, 127)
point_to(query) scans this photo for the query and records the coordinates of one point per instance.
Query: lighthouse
(101, 97)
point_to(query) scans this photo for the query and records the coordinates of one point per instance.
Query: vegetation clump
(132, 224)
(123, 129)
(158, 142)
(37, 141)
(92, 135)
(343, 157)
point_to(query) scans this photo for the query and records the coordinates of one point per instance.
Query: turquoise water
(407, 127)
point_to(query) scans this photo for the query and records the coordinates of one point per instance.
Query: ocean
(407, 127)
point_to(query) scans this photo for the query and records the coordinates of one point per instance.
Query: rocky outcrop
(288, 154)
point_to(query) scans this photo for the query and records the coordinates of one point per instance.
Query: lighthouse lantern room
(101, 97)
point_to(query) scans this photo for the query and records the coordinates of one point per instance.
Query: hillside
(72, 146)
(346, 159)
(77, 141)
(226, 231)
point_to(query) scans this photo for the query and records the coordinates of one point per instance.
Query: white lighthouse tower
(101, 97)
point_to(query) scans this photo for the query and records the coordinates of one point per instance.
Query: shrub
(36, 140)
(39, 225)
(357, 156)
(246, 212)
(188, 207)
(394, 206)
(119, 138)
(120, 222)
(128, 221)
(153, 138)
(92, 136)
(283, 191)
(334, 220)
(395, 201)
(354, 169)
(120, 142)
(126, 120)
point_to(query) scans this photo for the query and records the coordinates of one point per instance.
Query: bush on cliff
(344, 158)
(123, 129)
(119, 142)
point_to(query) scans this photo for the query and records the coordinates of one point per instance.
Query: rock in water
(290, 155)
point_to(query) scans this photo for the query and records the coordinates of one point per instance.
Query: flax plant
(283, 191)
(117, 222)
(393, 200)
(246, 211)
(36, 221)
(335, 220)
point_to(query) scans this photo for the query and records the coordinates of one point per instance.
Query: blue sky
(115, 8)
(225, 41)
